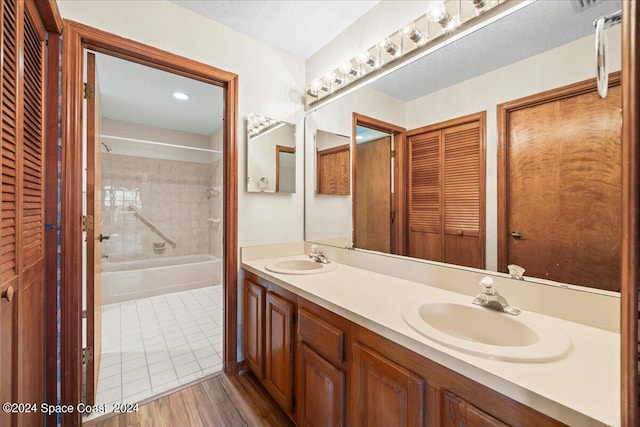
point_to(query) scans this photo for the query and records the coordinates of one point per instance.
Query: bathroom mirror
(271, 155)
(478, 73)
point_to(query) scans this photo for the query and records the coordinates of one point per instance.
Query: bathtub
(129, 280)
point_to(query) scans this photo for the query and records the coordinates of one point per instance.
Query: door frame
(503, 114)
(630, 277)
(77, 37)
(398, 228)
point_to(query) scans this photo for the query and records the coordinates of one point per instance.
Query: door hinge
(87, 355)
(393, 153)
(89, 91)
(393, 216)
(87, 222)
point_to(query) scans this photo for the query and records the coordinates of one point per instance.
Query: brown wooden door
(424, 198)
(463, 204)
(22, 357)
(322, 394)
(94, 233)
(384, 393)
(446, 192)
(334, 170)
(373, 195)
(460, 413)
(254, 296)
(279, 350)
(563, 192)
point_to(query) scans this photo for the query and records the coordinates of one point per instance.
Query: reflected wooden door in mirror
(447, 191)
(560, 185)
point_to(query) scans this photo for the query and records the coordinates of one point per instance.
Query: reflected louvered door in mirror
(22, 255)
(463, 170)
(447, 191)
(425, 219)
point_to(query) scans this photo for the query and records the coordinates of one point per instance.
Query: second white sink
(486, 333)
(299, 266)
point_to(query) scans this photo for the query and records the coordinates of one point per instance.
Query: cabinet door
(384, 393)
(460, 413)
(279, 350)
(322, 391)
(254, 327)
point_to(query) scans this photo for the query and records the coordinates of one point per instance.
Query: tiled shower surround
(170, 193)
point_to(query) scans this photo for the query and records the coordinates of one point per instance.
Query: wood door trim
(77, 37)
(480, 116)
(630, 276)
(279, 149)
(503, 113)
(399, 240)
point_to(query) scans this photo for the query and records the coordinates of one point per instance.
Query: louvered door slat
(424, 182)
(462, 179)
(8, 256)
(32, 172)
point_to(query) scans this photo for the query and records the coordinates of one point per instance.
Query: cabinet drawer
(323, 337)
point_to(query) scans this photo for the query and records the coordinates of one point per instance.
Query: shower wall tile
(172, 194)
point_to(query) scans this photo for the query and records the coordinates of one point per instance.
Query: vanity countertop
(582, 388)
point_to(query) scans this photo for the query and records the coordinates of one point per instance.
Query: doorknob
(8, 294)
(101, 238)
(516, 234)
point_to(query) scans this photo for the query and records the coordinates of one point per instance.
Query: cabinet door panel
(279, 350)
(460, 413)
(385, 393)
(322, 391)
(253, 327)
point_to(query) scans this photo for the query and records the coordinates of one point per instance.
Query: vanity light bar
(442, 18)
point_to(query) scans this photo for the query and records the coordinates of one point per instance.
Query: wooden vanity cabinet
(459, 412)
(254, 296)
(269, 338)
(322, 367)
(385, 393)
(324, 370)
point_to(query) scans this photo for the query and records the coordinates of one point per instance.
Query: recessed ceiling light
(181, 96)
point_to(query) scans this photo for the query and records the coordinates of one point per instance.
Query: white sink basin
(487, 333)
(299, 266)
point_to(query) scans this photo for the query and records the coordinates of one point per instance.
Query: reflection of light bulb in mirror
(414, 35)
(436, 10)
(479, 5)
(332, 76)
(366, 58)
(348, 68)
(390, 47)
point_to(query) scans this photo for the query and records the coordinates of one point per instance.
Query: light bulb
(414, 34)
(390, 47)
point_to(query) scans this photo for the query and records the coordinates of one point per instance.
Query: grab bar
(602, 75)
(146, 221)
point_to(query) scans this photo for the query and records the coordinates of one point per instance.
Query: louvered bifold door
(22, 256)
(425, 218)
(461, 192)
(9, 239)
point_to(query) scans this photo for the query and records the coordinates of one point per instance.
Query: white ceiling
(136, 93)
(297, 27)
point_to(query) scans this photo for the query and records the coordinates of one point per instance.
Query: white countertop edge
(439, 354)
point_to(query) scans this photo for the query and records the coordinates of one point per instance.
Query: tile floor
(154, 344)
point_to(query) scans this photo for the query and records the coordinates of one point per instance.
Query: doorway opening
(214, 192)
(378, 177)
(153, 288)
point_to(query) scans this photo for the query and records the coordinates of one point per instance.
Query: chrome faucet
(490, 298)
(317, 255)
(516, 272)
